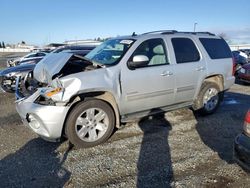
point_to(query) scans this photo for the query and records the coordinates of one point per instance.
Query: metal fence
(2, 50)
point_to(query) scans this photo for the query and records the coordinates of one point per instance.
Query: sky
(40, 22)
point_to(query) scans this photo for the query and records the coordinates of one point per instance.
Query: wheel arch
(101, 95)
(217, 79)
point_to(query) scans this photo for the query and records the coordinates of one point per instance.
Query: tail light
(246, 126)
(234, 66)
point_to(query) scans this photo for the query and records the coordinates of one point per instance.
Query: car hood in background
(50, 65)
(19, 68)
(36, 59)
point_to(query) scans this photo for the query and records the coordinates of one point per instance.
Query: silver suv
(123, 79)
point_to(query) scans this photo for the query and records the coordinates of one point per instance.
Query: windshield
(110, 52)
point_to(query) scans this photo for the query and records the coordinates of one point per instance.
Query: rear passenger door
(190, 68)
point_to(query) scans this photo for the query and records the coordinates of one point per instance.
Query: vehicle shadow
(154, 164)
(219, 130)
(36, 164)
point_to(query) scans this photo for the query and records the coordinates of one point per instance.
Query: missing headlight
(44, 101)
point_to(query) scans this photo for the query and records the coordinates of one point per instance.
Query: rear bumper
(229, 82)
(242, 151)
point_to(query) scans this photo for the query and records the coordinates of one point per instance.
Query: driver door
(149, 86)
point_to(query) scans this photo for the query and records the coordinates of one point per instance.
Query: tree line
(2, 45)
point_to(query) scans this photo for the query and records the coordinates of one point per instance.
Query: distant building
(25, 46)
(82, 42)
(239, 46)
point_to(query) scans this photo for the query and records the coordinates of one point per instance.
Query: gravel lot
(177, 149)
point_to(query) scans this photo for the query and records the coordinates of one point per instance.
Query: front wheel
(90, 123)
(209, 98)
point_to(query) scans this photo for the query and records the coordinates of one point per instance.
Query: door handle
(201, 68)
(167, 73)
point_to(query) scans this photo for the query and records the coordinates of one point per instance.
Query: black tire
(204, 107)
(79, 111)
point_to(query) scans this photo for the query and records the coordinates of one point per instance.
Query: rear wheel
(209, 98)
(90, 123)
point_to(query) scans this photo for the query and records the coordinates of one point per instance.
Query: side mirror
(138, 61)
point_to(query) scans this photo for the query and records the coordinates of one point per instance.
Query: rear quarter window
(216, 48)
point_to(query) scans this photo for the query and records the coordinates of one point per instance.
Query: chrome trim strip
(149, 95)
(186, 88)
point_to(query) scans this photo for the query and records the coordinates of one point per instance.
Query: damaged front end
(9, 75)
(45, 120)
(45, 109)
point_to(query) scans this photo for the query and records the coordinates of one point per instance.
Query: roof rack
(161, 32)
(174, 31)
(195, 33)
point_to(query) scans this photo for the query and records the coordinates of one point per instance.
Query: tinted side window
(154, 49)
(185, 50)
(216, 48)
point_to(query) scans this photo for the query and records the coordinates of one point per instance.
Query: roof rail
(195, 33)
(174, 31)
(161, 32)
(206, 33)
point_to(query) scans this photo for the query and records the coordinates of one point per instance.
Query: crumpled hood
(50, 65)
(19, 68)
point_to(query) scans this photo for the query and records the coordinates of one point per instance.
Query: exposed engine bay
(28, 84)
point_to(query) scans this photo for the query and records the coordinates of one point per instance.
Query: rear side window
(185, 50)
(216, 48)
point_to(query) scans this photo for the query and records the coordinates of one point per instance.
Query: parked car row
(247, 52)
(244, 73)
(242, 65)
(240, 60)
(21, 67)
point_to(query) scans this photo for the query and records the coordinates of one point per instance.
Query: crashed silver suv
(123, 79)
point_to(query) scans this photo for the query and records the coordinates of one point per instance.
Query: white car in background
(29, 57)
(243, 54)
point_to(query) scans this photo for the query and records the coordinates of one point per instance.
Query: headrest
(158, 50)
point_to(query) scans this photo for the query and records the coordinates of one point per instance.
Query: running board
(137, 115)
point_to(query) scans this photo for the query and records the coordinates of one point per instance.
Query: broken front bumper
(47, 121)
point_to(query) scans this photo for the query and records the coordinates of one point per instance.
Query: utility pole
(195, 26)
